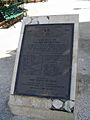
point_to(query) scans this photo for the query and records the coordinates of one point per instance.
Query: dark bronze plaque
(45, 61)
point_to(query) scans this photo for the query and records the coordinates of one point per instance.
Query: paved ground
(8, 44)
(83, 101)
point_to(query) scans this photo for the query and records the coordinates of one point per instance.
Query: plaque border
(53, 19)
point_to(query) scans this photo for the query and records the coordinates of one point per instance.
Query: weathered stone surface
(34, 107)
(41, 114)
(33, 102)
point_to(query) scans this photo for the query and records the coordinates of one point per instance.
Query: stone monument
(44, 77)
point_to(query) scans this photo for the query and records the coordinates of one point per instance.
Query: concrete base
(18, 108)
(40, 108)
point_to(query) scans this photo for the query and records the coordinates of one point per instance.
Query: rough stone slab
(40, 114)
(34, 102)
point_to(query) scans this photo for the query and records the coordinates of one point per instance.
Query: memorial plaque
(46, 68)
(45, 62)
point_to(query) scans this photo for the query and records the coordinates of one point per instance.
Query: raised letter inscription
(45, 61)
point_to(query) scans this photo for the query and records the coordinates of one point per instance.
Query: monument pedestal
(36, 108)
(44, 78)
